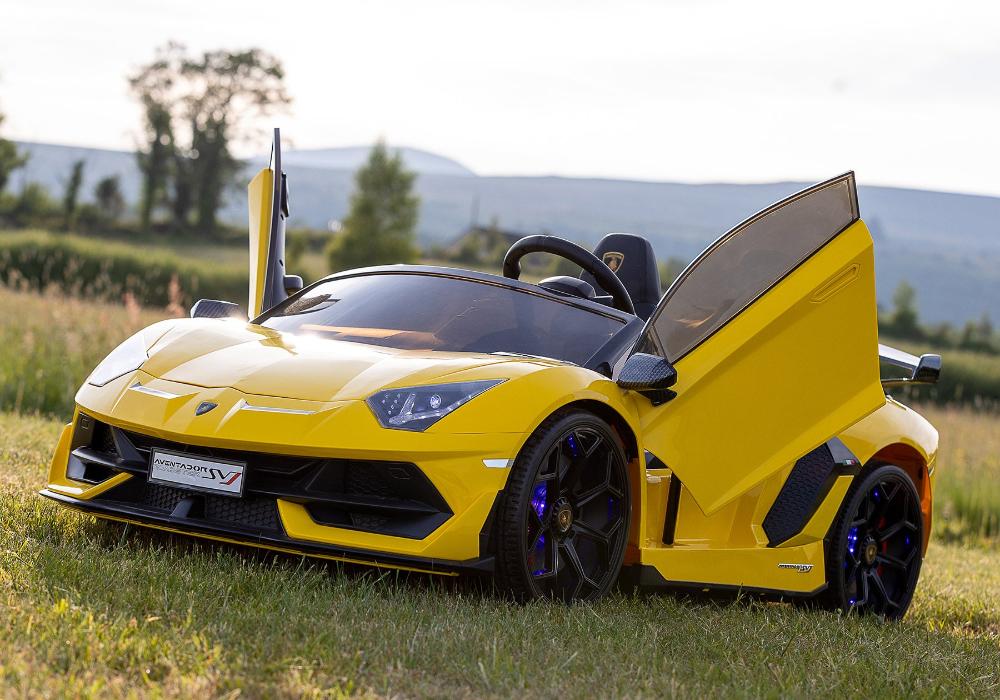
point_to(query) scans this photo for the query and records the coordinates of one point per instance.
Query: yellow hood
(261, 361)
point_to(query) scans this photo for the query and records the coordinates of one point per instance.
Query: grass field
(93, 608)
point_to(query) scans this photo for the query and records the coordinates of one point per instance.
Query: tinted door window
(748, 261)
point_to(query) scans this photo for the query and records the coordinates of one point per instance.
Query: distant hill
(353, 157)
(947, 245)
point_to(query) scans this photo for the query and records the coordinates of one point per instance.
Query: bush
(99, 269)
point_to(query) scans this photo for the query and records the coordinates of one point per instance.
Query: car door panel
(795, 366)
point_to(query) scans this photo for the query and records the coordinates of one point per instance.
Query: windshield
(433, 312)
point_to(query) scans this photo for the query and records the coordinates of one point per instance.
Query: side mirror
(928, 370)
(925, 369)
(293, 283)
(213, 308)
(650, 375)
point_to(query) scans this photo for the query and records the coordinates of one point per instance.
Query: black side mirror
(293, 283)
(650, 375)
(213, 308)
(928, 370)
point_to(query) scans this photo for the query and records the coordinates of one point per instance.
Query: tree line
(34, 206)
(903, 322)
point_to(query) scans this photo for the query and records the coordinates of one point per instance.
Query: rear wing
(923, 370)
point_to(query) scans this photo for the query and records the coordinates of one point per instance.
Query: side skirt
(648, 577)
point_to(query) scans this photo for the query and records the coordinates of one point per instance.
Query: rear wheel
(563, 521)
(875, 550)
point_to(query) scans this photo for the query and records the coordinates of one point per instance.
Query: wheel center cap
(870, 552)
(564, 517)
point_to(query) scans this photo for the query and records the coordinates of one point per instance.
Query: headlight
(419, 407)
(126, 358)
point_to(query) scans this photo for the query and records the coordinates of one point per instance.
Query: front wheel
(563, 521)
(875, 548)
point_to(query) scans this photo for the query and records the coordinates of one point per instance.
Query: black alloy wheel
(875, 550)
(565, 514)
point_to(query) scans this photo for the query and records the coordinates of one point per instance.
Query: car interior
(631, 258)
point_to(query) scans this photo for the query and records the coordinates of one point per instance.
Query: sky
(904, 93)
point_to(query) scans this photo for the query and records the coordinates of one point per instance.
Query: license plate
(199, 473)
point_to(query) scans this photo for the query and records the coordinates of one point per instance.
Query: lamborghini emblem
(204, 407)
(613, 260)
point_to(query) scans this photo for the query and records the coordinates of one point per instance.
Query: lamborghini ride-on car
(733, 433)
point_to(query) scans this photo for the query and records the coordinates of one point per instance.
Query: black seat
(631, 257)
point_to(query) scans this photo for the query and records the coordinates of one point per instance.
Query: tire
(564, 516)
(875, 546)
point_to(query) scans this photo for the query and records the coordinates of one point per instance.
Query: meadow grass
(51, 343)
(95, 608)
(967, 479)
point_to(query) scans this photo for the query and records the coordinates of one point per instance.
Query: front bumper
(442, 536)
(274, 543)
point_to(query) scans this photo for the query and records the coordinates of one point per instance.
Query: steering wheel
(607, 279)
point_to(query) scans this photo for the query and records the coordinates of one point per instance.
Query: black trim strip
(673, 502)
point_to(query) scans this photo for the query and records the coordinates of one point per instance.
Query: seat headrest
(632, 258)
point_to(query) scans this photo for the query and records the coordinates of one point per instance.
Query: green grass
(94, 608)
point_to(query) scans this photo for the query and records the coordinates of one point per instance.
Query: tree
(154, 85)
(110, 201)
(33, 206)
(977, 337)
(904, 322)
(195, 108)
(669, 271)
(72, 194)
(10, 159)
(381, 225)
(223, 90)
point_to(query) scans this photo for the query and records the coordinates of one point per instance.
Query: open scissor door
(268, 198)
(773, 334)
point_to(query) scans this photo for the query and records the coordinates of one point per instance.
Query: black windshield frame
(601, 360)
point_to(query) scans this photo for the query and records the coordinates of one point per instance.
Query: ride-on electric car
(732, 433)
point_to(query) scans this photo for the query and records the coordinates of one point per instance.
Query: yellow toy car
(733, 433)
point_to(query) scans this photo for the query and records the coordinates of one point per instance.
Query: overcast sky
(905, 93)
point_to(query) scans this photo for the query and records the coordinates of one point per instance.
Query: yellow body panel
(260, 192)
(794, 369)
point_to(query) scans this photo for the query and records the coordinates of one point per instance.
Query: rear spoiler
(923, 370)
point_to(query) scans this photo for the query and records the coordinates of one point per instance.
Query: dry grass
(967, 484)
